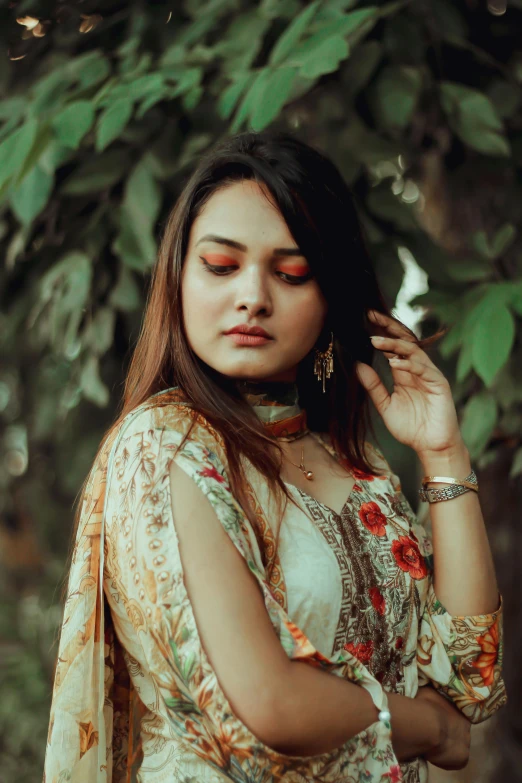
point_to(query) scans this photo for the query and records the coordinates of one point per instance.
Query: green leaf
(89, 68)
(15, 149)
(189, 78)
(503, 238)
(343, 27)
(73, 122)
(229, 97)
(452, 340)
(97, 173)
(505, 96)
(492, 339)
(464, 362)
(142, 197)
(49, 90)
(125, 295)
(241, 43)
(395, 95)
(144, 86)
(324, 58)
(473, 117)
(54, 155)
(65, 287)
(276, 92)
(37, 151)
(191, 98)
(515, 299)
(150, 101)
(112, 121)
(12, 107)
(516, 466)
(173, 55)
(470, 312)
(478, 422)
(11, 113)
(293, 33)
(470, 104)
(140, 207)
(31, 196)
(100, 333)
(469, 270)
(250, 99)
(487, 142)
(91, 383)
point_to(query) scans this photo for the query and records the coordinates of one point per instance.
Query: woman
(237, 522)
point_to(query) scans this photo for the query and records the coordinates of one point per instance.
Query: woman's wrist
(418, 726)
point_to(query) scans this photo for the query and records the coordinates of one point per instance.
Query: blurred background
(104, 110)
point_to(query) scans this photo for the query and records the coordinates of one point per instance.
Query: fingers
(374, 386)
(401, 348)
(390, 324)
(415, 367)
(395, 345)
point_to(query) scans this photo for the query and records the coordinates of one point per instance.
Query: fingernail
(376, 337)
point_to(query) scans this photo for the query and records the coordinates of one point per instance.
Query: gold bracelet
(470, 481)
(458, 487)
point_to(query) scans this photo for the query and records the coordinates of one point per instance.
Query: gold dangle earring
(323, 365)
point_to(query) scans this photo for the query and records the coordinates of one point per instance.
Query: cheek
(199, 301)
(307, 315)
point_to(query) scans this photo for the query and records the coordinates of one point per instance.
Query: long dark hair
(320, 212)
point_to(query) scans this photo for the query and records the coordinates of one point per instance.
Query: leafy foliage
(103, 115)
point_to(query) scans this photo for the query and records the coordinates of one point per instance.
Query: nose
(253, 292)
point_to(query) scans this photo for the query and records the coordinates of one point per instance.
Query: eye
(216, 270)
(220, 271)
(295, 279)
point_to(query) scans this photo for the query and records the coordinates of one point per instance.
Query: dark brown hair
(320, 212)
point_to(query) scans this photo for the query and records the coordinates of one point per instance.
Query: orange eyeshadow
(295, 270)
(218, 258)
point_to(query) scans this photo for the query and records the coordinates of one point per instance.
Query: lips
(254, 331)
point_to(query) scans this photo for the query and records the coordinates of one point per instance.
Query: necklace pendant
(308, 474)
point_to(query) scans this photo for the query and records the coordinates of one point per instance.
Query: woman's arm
(295, 709)
(464, 580)
(320, 712)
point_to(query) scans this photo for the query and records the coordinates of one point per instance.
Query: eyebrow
(278, 251)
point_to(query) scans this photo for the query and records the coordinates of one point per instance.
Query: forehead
(243, 211)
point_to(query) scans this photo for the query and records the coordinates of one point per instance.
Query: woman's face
(249, 287)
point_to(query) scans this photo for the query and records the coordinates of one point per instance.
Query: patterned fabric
(276, 403)
(135, 697)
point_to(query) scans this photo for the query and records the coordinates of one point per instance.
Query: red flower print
(357, 488)
(394, 774)
(488, 657)
(398, 643)
(360, 474)
(372, 518)
(377, 599)
(363, 651)
(212, 473)
(409, 558)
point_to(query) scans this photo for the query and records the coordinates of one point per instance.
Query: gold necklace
(308, 474)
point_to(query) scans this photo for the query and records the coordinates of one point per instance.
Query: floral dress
(135, 696)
